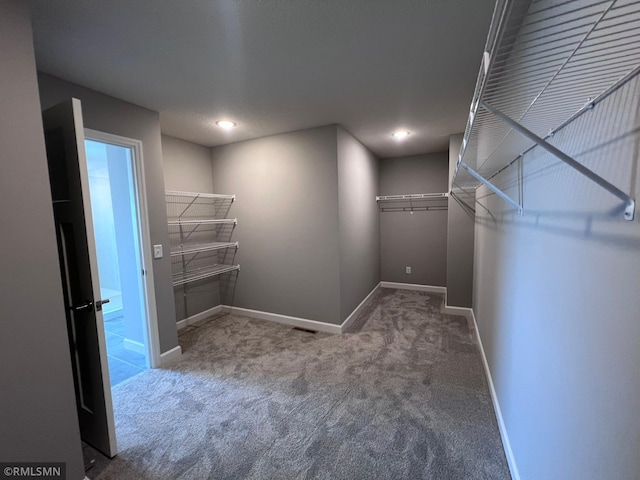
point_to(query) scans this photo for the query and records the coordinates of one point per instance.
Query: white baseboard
(170, 356)
(414, 286)
(358, 310)
(176, 352)
(463, 311)
(198, 316)
(473, 326)
(301, 322)
(511, 460)
(284, 319)
(134, 346)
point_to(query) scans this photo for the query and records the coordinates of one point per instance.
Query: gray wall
(557, 304)
(187, 168)
(120, 174)
(111, 115)
(37, 405)
(286, 190)
(418, 240)
(460, 237)
(358, 178)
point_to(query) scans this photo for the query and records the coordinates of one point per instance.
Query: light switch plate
(157, 251)
(407, 269)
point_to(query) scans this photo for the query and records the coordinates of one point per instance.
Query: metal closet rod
(491, 187)
(495, 48)
(594, 177)
(586, 108)
(411, 196)
(494, 39)
(499, 47)
(629, 202)
(204, 221)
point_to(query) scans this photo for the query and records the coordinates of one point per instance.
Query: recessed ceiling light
(226, 124)
(400, 134)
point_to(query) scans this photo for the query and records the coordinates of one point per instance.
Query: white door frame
(153, 339)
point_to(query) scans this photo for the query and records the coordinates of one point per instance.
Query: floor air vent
(304, 330)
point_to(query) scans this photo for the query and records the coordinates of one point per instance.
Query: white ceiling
(276, 66)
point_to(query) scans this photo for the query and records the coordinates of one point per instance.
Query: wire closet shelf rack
(182, 278)
(546, 63)
(197, 235)
(189, 196)
(412, 201)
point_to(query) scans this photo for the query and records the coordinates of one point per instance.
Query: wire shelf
(202, 273)
(206, 247)
(199, 196)
(548, 62)
(412, 202)
(411, 196)
(195, 228)
(204, 221)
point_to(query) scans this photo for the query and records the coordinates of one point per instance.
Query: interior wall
(111, 115)
(359, 220)
(37, 405)
(286, 189)
(556, 301)
(419, 239)
(460, 237)
(188, 168)
(119, 165)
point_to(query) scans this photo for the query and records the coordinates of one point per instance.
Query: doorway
(115, 203)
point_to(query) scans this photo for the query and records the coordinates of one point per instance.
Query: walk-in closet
(364, 239)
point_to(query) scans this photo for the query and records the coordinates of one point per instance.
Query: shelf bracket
(491, 187)
(186, 264)
(460, 200)
(188, 206)
(195, 227)
(629, 203)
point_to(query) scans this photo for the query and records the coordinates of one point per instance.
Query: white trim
(151, 325)
(284, 319)
(511, 459)
(463, 311)
(135, 346)
(414, 286)
(358, 310)
(170, 356)
(185, 322)
(338, 329)
(473, 326)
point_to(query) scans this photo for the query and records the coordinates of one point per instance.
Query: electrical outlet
(407, 270)
(157, 251)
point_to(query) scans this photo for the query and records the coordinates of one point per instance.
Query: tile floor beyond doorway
(123, 363)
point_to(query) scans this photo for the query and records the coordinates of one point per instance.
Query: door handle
(84, 307)
(88, 306)
(99, 304)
